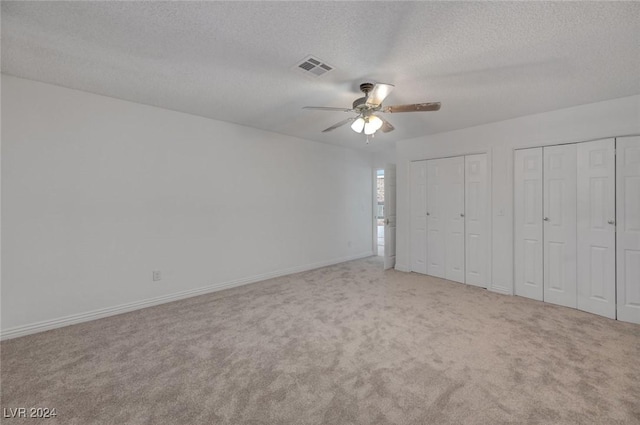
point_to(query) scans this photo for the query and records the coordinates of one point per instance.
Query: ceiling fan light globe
(376, 122)
(358, 125)
(372, 125)
(369, 129)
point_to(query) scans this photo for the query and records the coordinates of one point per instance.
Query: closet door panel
(528, 223)
(419, 216)
(628, 228)
(559, 204)
(435, 218)
(477, 247)
(596, 227)
(454, 210)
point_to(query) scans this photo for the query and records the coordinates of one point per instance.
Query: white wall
(587, 122)
(384, 157)
(98, 192)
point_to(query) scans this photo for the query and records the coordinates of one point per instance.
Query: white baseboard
(73, 319)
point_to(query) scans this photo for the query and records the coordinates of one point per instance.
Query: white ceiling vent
(313, 67)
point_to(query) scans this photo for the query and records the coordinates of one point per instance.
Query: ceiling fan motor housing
(359, 104)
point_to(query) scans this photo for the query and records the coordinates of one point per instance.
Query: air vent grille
(313, 67)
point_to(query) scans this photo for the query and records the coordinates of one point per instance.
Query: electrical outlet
(157, 275)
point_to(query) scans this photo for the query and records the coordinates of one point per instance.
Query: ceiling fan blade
(386, 125)
(339, 124)
(327, 108)
(416, 107)
(378, 93)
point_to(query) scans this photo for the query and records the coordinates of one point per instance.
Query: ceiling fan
(368, 121)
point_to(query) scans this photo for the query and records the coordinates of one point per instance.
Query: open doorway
(379, 225)
(384, 223)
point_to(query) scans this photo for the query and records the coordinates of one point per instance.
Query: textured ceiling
(235, 61)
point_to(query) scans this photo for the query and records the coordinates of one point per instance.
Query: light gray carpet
(346, 344)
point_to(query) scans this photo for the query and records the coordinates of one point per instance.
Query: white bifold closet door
(454, 203)
(596, 227)
(564, 225)
(628, 227)
(454, 219)
(436, 209)
(445, 218)
(528, 227)
(419, 216)
(545, 201)
(477, 207)
(559, 234)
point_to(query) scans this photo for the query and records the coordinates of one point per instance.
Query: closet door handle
(461, 215)
(611, 222)
(428, 213)
(546, 219)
